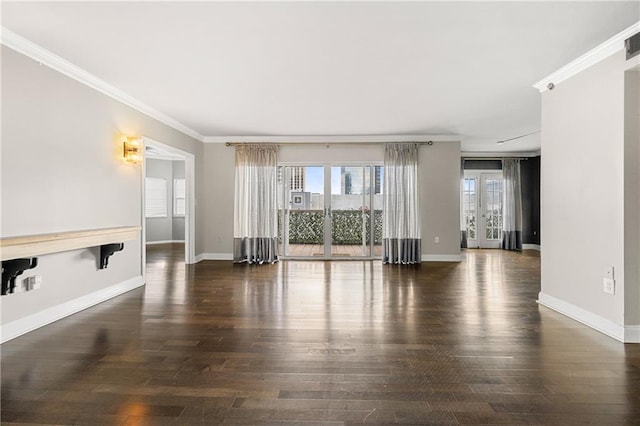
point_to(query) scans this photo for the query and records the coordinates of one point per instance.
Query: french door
(482, 208)
(330, 212)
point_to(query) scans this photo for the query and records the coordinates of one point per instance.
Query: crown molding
(333, 139)
(53, 61)
(592, 57)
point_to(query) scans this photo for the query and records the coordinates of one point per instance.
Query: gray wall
(530, 189)
(62, 170)
(585, 187)
(482, 164)
(439, 176)
(439, 190)
(632, 197)
(161, 228)
(168, 228)
(219, 175)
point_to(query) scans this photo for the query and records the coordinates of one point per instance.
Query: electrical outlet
(437, 240)
(608, 286)
(33, 283)
(37, 282)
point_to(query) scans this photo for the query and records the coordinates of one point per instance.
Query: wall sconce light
(132, 150)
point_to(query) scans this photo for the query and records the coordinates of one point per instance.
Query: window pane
(179, 189)
(469, 207)
(180, 207)
(179, 197)
(493, 194)
(155, 197)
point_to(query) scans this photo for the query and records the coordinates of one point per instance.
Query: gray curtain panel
(255, 228)
(463, 239)
(511, 205)
(255, 250)
(401, 238)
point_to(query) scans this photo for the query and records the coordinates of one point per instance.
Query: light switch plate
(608, 273)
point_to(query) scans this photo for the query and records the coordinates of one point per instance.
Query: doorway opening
(167, 202)
(482, 208)
(330, 211)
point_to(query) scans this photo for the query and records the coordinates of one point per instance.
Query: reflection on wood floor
(323, 343)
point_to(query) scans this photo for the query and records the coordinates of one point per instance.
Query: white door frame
(189, 216)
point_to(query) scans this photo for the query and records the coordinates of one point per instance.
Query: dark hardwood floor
(323, 343)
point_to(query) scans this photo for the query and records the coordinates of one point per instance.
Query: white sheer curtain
(255, 229)
(511, 205)
(401, 226)
(463, 219)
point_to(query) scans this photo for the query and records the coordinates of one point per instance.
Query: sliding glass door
(302, 211)
(331, 211)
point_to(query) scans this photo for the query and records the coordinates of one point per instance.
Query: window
(179, 197)
(155, 197)
(493, 209)
(469, 206)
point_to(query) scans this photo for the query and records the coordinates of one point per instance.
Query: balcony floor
(340, 251)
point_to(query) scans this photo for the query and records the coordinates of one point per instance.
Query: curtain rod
(493, 158)
(327, 144)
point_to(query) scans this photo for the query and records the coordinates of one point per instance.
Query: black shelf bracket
(106, 250)
(11, 269)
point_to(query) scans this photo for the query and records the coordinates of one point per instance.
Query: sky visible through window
(315, 180)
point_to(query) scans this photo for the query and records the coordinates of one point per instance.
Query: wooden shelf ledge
(36, 245)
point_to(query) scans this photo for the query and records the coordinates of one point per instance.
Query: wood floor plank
(327, 343)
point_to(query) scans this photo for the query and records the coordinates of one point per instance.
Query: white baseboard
(24, 325)
(150, 243)
(603, 325)
(531, 247)
(214, 256)
(632, 334)
(442, 258)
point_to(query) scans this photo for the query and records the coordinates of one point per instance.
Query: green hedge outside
(306, 226)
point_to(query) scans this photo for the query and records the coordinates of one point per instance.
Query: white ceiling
(362, 68)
